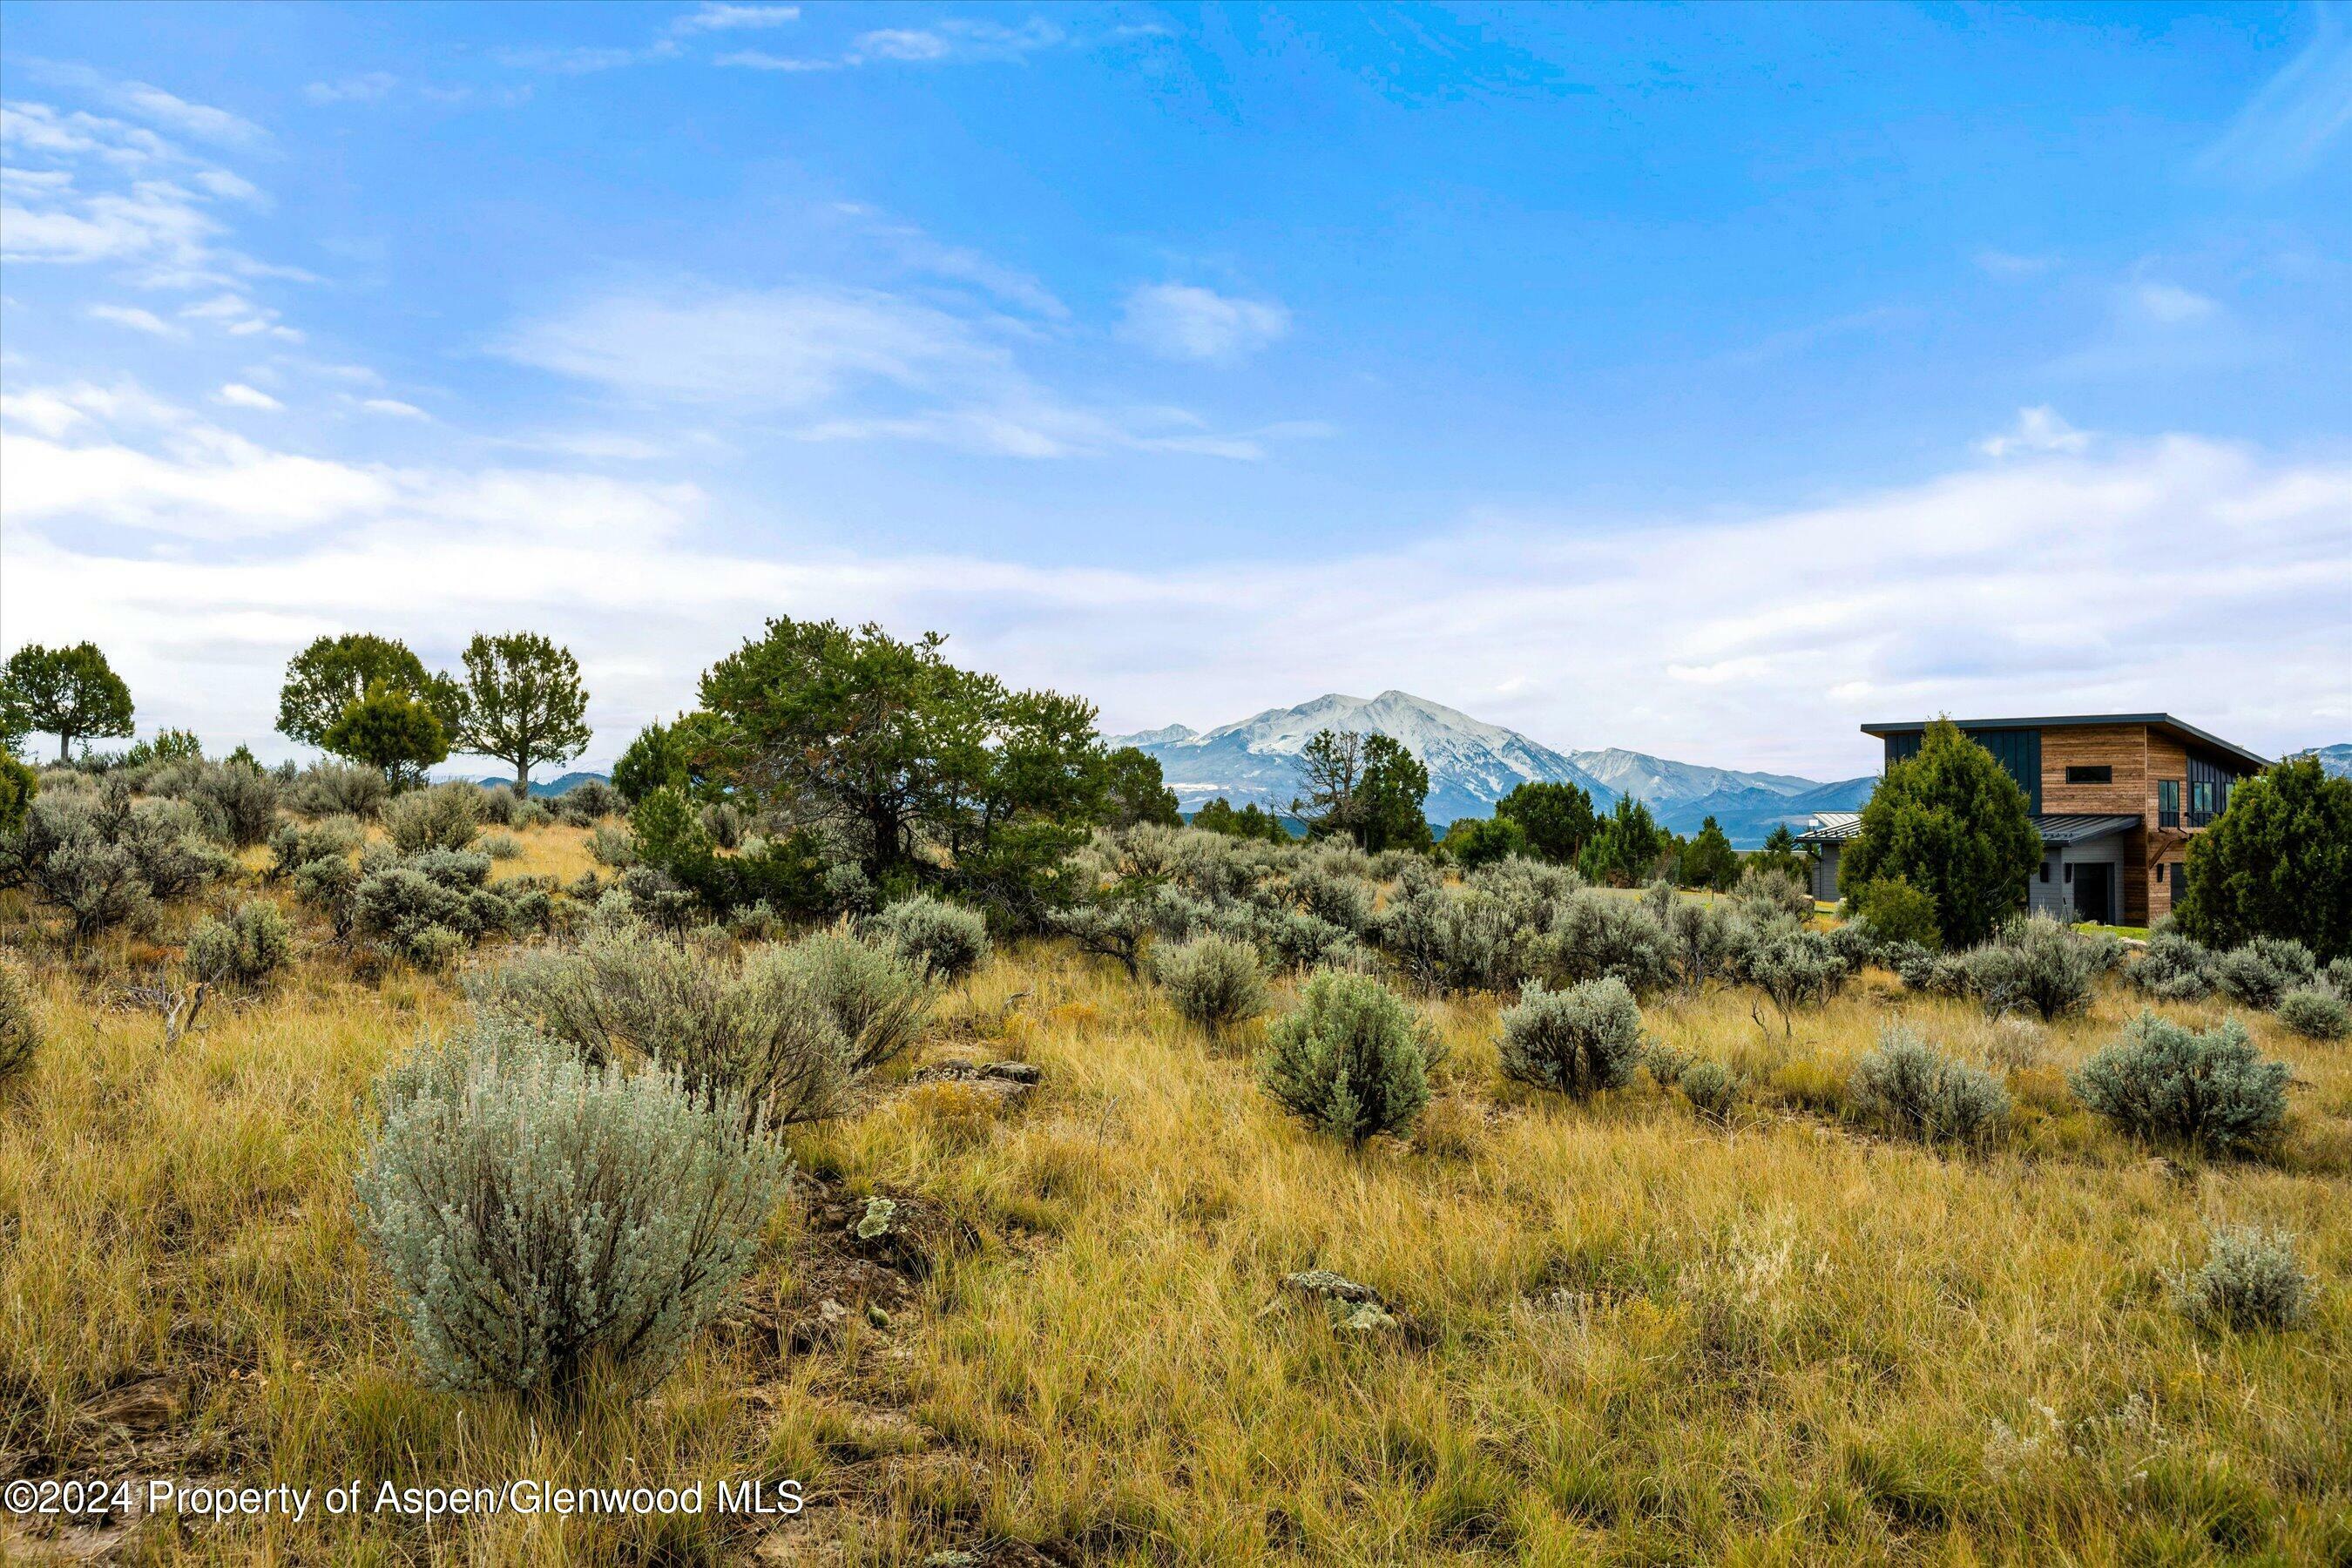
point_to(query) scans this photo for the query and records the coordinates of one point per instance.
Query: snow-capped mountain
(2335, 760)
(1471, 765)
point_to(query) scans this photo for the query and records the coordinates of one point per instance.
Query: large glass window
(2168, 802)
(2080, 774)
(2200, 801)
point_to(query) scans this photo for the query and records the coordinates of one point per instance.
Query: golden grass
(1625, 1334)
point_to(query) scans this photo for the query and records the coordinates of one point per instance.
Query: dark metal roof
(2254, 760)
(1839, 828)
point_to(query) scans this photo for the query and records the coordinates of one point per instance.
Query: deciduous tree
(333, 673)
(69, 692)
(521, 702)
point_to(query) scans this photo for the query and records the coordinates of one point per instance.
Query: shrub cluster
(945, 940)
(2250, 1279)
(338, 789)
(429, 906)
(104, 858)
(245, 949)
(1576, 1041)
(2164, 1082)
(546, 1221)
(1350, 1059)
(1213, 981)
(445, 816)
(1909, 1087)
(20, 1028)
(2037, 966)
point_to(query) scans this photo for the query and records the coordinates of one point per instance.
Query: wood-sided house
(2116, 797)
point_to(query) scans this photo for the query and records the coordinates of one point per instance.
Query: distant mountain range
(1472, 764)
(545, 789)
(2335, 760)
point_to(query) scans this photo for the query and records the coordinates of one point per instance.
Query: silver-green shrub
(877, 999)
(2036, 966)
(2264, 970)
(1576, 1041)
(2315, 1013)
(1910, 1088)
(588, 802)
(245, 949)
(2172, 968)
(1349, 1060)
(338, 789)
(2250, 1279)
(2166, 1082)
(1711, 1088)
(1595, 935)
(613, 846)
(445, 816)
(1792, 966)
(500, 846)
(294, 845)
(1213, 981)
(628, 994)
(500, 805)
(945, 940)
(20, 1028)
(548, 1223)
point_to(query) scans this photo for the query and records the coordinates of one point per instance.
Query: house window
(2045, 870)
(2102, 773)
(2200, 801)
(2168, 802)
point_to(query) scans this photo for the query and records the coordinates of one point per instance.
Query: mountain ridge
(1473, 763)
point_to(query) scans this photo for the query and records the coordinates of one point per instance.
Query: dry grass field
(1623, 1332)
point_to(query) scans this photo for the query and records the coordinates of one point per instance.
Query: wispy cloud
(2169, 303)
(1185, 321)
(2298, 118)
(2009, 264)
(237, 395)
(715, 16)
(142, 100)
(832, 364)
(137, 320)
(1753, 654)
(2038, 430)
(368, 87)
(394, 407)
(951, 40)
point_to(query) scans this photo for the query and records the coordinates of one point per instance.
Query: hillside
(1473, 763)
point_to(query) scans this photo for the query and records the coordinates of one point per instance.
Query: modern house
(2116, 797)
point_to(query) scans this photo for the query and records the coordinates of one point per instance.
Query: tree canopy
(1556, 817)
(334, 672)
(930, 772)
(1135, 791)
(521, 702)
(1625, 846)
(1709, 860)
(1219, 817)
(1950, 822)
(391, 728)
(1368, 787)
(2276, 862)
(69, 692)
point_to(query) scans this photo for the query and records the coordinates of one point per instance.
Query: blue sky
(1699, 380)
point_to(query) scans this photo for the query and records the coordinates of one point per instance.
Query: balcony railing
(2168, 819)
(2200, 818)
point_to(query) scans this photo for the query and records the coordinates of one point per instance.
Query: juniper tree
(521, 702)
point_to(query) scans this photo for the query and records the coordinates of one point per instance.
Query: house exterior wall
(2067, 864)
(1826, 874)
(2121, 749)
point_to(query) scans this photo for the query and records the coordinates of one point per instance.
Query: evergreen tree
(1952, 823)
(1135, 792)
(1626, 847)
(1709, 860)
(2277, 862)
(69, 692)
(333, 673)
(1557, 818)
(390, 728)
(521, 702)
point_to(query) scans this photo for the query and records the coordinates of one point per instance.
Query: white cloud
(2009, 264)
(2170, 304)
(394, 407)
(2300, 115)
(369, 87)
(761, 60)
(237, 395)
(716, 17)
(903, 44)
(959, 39)
(142, 100)
(137, 320)
(1182, 322)
(1757, 641)
(2039, 430)
(838, 365)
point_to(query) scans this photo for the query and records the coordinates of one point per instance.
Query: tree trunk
(64, 748)
(522, 781)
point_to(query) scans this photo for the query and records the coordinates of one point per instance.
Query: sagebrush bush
(629, 995)
(1213, 981)
(104, 858)
(2250, 1279)
(1766, 888)
(1349, 1060)
(1793, 968)
(588, 802)
(2172, 968)
(445, 816)
(1596, 936)
(2264, 970)
(1894, 910)
(501, 807)
(2034, 966)
(945, 940)
(2165, 1083)
(294, 845)
(20, 1028)
(2315, 1013)
(548, 1223)
(245, 949)
(613, 846)
(237, 801)
(500, 846)
(879, 1001)
(1711, 1088)
(338, 789)
(1909, 1087)
(430, 905)
(1576, 1041)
